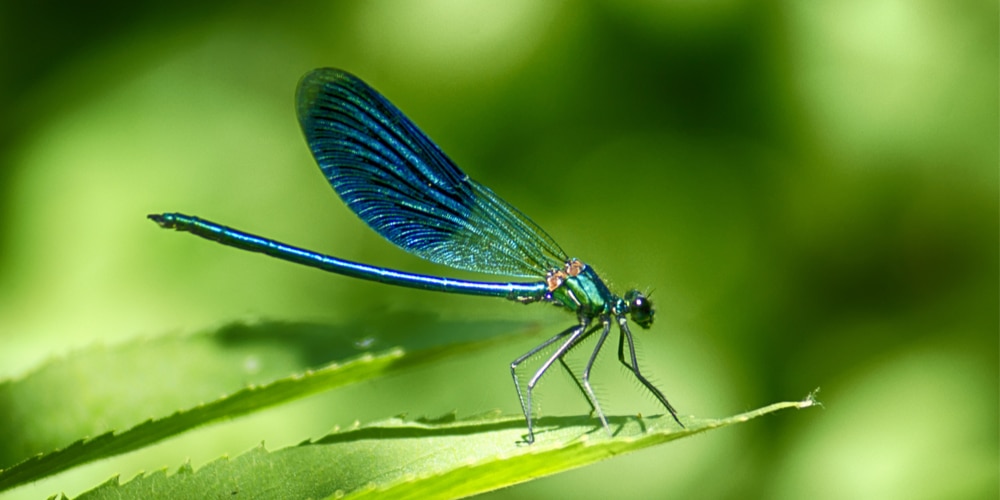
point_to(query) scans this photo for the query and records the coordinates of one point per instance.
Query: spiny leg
(526, 405)
(574, 338)
(570, 343)
(621, 351)
(587, 395)
(606, 327)
(561, 351)
(576, 381)
(626, 334)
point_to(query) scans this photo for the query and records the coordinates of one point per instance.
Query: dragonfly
(406, 189)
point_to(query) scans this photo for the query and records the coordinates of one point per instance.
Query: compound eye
(640, 308)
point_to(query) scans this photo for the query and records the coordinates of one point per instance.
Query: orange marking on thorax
(557, 277)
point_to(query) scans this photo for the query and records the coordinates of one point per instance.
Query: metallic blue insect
(405, 188)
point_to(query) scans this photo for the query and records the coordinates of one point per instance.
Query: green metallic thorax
(584, 293)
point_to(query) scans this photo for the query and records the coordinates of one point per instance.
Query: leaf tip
(810, 400)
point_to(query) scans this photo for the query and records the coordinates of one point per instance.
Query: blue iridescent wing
(403, 186)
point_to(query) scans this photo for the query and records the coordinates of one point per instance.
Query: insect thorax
(578, 288)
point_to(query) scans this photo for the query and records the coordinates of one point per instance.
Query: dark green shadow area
(318, 344)
(107, 400)
(450, 426)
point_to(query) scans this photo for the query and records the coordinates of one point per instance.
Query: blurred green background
(809, 190)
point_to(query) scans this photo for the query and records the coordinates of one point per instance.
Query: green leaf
(446, 458)
(135, 394)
